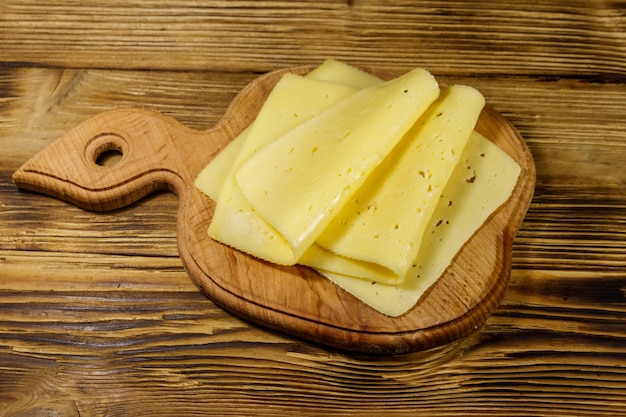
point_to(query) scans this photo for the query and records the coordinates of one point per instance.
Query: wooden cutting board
(158, 153)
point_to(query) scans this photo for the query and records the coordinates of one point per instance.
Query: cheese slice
(212, 177)
(235, 223)
(299, 182)
(383, 223)
(338, 72)
(481, 183)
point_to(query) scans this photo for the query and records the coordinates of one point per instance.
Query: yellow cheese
(299, 182)
(481, 183)
(293, 100)
(384, 222)
(337, 72)
(212, 177)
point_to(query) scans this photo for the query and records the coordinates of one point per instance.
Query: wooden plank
(42, 104)
(134, 352)
(501, 37)
(39, 105)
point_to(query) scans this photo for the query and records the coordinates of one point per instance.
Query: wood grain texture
(550, 37)
(98, 317)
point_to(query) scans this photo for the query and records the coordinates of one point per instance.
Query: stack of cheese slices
(375, 184)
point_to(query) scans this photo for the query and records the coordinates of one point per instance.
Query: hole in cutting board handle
(106, 150)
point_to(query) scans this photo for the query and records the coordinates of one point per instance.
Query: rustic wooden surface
(98, 316)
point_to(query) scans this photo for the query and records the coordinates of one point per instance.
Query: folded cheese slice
(293, 100)
(212, 177)
(482, 182)
(382, 225)
(300, 182)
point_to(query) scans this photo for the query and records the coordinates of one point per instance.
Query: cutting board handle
(157, 153)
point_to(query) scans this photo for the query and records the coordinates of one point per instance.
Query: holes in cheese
(384, 222)
(299, 182)
(461, 210)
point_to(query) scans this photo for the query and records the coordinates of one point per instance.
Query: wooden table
(98, 316)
